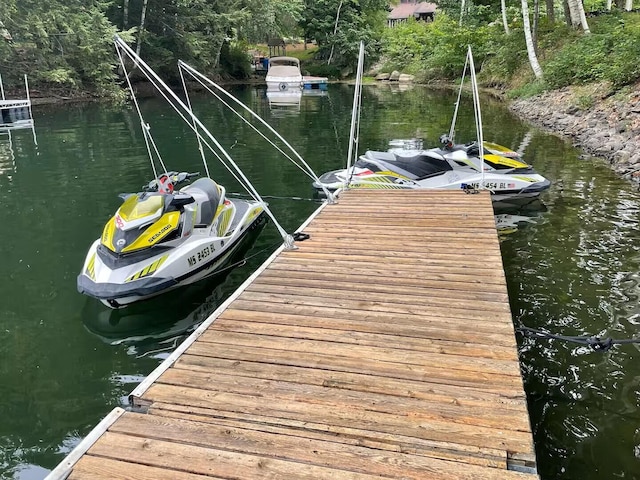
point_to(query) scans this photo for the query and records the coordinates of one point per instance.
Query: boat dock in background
(314, 83)
(382, 347)
(15, 113)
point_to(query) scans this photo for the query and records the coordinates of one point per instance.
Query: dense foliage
(436, 50)
(65, 46)
(339, 25)
(61, 44)
(611, 53)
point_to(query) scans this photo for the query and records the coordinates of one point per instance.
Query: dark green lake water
(573, 267)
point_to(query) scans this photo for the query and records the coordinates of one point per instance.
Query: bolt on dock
(382, 347)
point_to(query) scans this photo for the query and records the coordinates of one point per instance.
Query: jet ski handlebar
(166, 182)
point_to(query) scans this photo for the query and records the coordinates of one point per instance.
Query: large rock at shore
(395, 76)
(601, 124)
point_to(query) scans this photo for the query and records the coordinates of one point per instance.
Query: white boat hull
(284, 84)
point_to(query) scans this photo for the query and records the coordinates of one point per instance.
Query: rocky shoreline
(601, 123)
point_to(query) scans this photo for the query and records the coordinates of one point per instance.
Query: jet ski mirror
(446, 141)
(165, 185)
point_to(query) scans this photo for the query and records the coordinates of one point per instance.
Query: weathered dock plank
(382, 347)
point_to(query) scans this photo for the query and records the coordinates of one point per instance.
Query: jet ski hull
(120, 282)
(502, 187)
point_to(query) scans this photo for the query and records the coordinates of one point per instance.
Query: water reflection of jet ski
(508, 223)
(434, 169)
(510, 216)
(155, 320)
(150, 324)
(160, 239)
(156, 325)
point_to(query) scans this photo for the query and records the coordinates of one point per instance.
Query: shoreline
(601, 123)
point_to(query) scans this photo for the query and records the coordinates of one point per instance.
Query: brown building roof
(406, 10)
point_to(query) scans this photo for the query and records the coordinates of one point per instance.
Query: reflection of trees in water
(430, 112)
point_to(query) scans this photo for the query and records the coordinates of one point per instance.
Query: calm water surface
(572, 265)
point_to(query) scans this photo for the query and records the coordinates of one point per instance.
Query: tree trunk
(551, 16)
(533, 59)
(504, 16)
(578, 18)
(583, 17)
(629, 5)
(141, 30)
(216, 57)
(335, 31)
(536, 19)
(125, 14)
(567, 12)
(574, 12)
(462, 6)
(609, 2)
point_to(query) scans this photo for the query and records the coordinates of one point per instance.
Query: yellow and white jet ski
(432, 169)
(450, 167)
(160, 239)
(495, 157)
(173, 232)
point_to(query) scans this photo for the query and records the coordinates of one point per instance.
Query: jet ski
(435, 168)
(176, 230)
(449, 167)
(495, 156)
(161, 238)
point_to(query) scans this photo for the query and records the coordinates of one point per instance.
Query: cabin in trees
(410, 8)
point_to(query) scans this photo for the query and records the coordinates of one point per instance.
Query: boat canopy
(284, 61)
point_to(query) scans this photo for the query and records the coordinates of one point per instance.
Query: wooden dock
(383, 347)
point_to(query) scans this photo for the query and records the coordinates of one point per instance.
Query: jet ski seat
(208, 195)
(375, 155)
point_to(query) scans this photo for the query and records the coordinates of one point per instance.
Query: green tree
(471, 12)
(271, 19)
(192, 30)
(66, 44)
(338, 26)
(438, 48)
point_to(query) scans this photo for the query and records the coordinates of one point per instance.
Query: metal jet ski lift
(203, 135)
(16, 114)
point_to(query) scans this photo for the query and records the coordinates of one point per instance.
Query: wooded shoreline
(601, 122)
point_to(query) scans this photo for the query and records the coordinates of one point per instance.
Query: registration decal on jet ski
(201, 255)
(488, 185)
